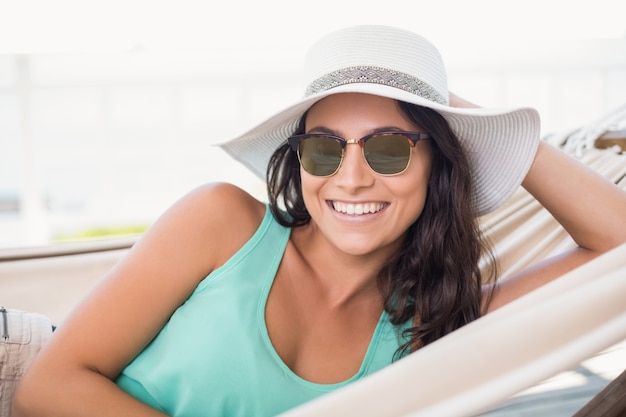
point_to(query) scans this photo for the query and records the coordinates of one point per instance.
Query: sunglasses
(386, 153)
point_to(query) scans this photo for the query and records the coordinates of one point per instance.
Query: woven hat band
(375, 75)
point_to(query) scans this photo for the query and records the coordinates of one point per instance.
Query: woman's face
(386, 205)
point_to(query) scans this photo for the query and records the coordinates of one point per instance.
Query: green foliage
(103, 232)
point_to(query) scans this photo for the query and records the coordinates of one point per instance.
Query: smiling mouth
(357, 209)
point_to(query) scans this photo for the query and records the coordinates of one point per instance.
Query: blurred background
(111, 110)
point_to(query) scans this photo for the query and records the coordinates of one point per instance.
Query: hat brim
(500, 143)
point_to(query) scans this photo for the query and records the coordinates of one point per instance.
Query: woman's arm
(590, 208)
(73, 374)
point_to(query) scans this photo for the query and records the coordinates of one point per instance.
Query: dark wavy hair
(435, 280)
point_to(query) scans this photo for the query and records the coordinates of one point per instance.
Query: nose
(354, 173)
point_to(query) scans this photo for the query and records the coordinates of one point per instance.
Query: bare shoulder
(220, 218)
(193, 237)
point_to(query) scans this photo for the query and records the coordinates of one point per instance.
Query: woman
(368, 250)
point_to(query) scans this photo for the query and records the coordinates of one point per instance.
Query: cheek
(421, 164)
(416, 199)
(415, 189)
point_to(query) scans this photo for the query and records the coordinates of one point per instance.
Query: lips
(355, 209)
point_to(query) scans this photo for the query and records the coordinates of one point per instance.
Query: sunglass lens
(320, 156)
(387, 154)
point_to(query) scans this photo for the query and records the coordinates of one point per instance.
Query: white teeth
(356, 209)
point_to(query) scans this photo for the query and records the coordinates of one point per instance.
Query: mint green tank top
(214, 356)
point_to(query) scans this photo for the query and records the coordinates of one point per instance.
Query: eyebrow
(328, 131)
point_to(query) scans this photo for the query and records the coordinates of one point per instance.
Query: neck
(341, 278)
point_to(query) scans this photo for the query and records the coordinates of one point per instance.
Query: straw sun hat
(398, 64)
